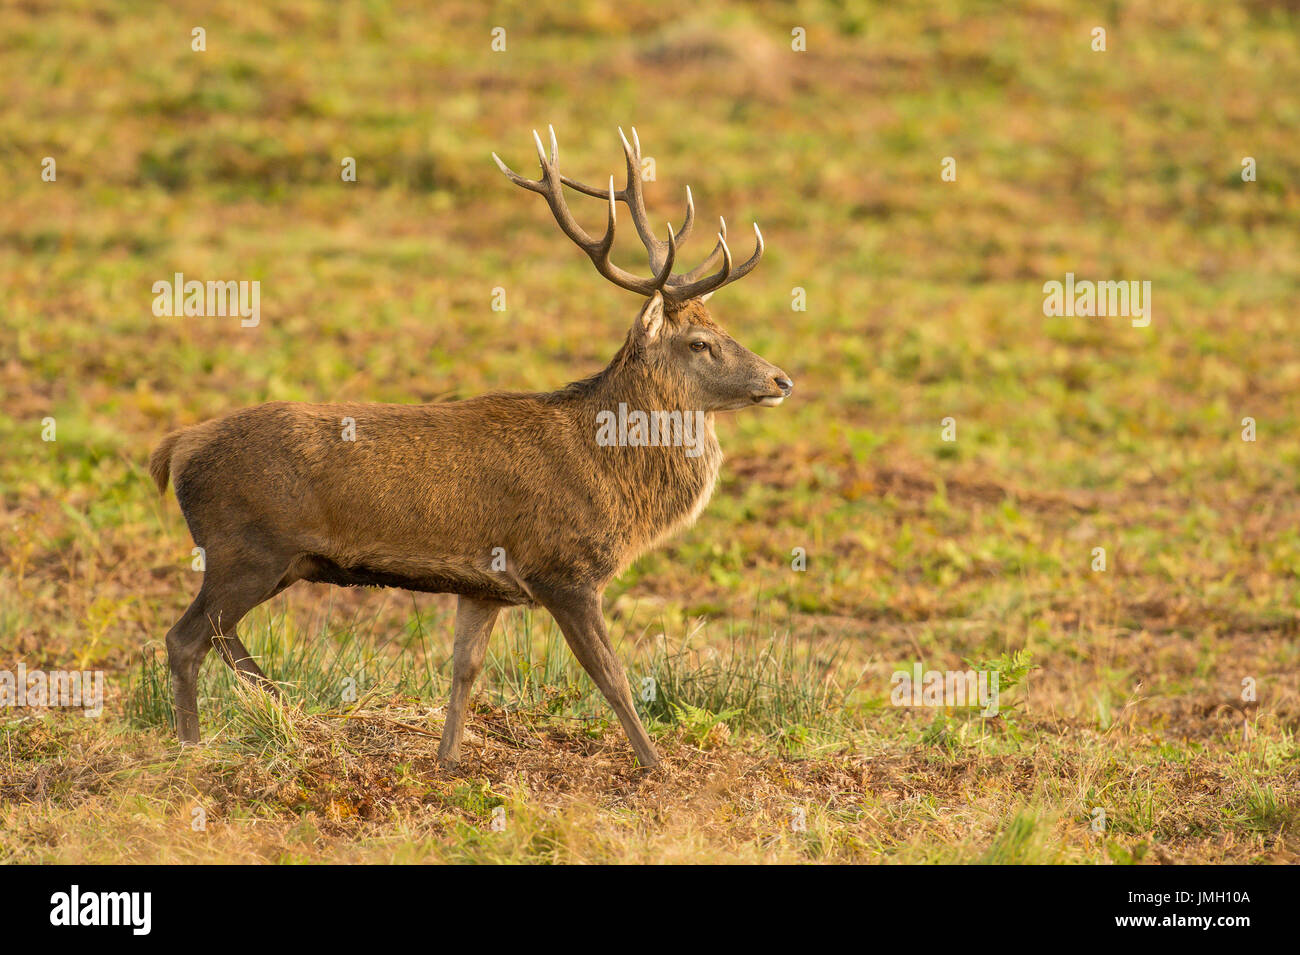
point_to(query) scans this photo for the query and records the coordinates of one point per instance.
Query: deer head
(674, 343)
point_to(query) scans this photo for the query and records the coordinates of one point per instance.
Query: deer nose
(784, 383)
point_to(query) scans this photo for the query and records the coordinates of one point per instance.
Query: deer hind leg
(583, 627)
(236, 655)
(188, 643)
(227, 594)
(474, 620)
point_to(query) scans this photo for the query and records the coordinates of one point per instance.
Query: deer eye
(699, 345)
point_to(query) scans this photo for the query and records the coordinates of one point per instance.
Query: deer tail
(160, 462)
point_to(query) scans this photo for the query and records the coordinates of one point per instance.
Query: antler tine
(555, 198)
(518, 180)
(587, 190)
(701, 270)
(689, 222)
(607, 244)
(621, 195)
(634, 196)
(661, 279)
(725, 272)
(725, 276)
(714, 282)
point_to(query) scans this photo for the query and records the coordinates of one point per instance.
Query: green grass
(771, 687)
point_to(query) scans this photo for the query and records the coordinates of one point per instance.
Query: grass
(773, 687)
(924, 302)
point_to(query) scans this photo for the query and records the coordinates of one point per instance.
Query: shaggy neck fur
(659, 489)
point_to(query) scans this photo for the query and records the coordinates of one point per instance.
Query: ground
(1150, 708)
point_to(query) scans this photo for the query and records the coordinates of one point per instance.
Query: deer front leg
(583, 626)
(474, 620)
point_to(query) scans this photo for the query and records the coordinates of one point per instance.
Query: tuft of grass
(771, 686)
(264, 724)
(1019, 842)
(148, 698)
(1262, 808)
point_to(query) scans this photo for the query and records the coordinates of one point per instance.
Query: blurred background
(826, 122)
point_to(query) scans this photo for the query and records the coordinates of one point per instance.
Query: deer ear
(651, 319)
(706, 296)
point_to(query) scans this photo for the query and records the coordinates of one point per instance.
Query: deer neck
(659, 456)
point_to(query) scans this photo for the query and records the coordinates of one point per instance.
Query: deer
(505, 499)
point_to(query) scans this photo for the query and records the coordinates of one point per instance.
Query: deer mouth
(768, 401)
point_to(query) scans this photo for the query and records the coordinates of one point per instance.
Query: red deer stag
(503, 499)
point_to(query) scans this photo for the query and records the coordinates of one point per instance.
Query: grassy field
(1125, 738)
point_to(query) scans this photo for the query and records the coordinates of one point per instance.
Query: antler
(662, 254)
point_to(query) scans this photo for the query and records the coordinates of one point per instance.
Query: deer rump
(312, 486)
